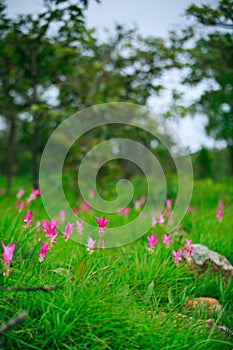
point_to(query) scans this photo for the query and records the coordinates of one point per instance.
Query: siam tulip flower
(75, 211)
(176, 256)
(166, 240)
(153, 222)
(142, 199)
(91, 245)
(219, 214)
(79, 226)
(27, 218)
(188, 254)
(91, 192)
(102, 224)
(161, 219)
(8, 251)
(221, 204)
(124, 211)
(137, 205)
(152, 241)
(85, 206)
(62, 215)
(67, 232)
(44, 249)
(7, 255)
(2, 191)
(119, 211)
(20, 205)
(20, 193)
(169, 203)
(50, 229)
(189, 209)
(188, 244)
(34, 194)
(54, 222)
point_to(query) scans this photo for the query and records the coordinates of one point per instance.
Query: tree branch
(31, 289)
(12, 323)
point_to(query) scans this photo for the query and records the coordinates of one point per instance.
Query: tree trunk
(35, 170)
(230, 148)
(10, 152)
(34, 101)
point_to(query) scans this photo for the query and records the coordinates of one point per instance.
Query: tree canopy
(205, 53)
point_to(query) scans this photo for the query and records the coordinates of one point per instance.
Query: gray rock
(203, 257)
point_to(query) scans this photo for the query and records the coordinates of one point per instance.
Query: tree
(205, 50)
(34, 57)
(126, 67)
(54, 51)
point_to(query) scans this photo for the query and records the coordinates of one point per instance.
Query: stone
(203, 258)
(203, 303)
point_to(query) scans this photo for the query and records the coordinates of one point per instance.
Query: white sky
(153, 17)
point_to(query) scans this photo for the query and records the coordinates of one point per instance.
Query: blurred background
(58, 57)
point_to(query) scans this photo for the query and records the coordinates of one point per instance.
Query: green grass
(122, 298)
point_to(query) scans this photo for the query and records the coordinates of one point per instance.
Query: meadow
(119, 298)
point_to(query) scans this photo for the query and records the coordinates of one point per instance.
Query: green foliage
(53, 53)
(206, 52)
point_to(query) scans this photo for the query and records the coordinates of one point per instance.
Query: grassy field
(121, 298)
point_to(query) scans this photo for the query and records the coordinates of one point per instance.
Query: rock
(203, 257)
(218, 328)
(206, 326)
(202, 303)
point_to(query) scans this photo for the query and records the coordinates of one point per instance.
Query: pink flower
(143, 199)
(8, 251)
(161, 219)
(189, 209)
(221, 204)
(124, 211)
(102, 224)
(20, 193)
(188, 243)
(27, 218)
(169, 203)
(68, 230)
(80, 226)
(50, 229)
(38, 223)
(176, 256)
(219, 214)
(152, 241)
(137, 205)
(85, 206)
(2, 191)
(166, 239)
(62, 215)
(20, 205)
(44, 249)
(34, 194)
(153, 222)
(91, 192)
(188, 254)
(91, 245)
(75, 211)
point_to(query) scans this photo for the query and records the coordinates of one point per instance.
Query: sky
(152, 17)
